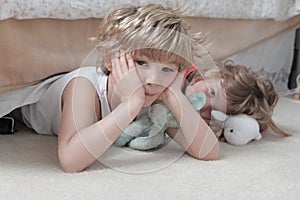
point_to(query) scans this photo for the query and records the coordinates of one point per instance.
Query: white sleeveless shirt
(44, 116)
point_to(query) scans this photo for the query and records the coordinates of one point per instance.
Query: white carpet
(267, 169)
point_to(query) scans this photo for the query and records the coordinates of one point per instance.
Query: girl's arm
(194, 135)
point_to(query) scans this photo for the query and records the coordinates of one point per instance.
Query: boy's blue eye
(140, 62)
(166, 69)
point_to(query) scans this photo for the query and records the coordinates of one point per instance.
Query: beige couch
(34, 49)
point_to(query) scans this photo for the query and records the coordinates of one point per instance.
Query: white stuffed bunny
(238, 129)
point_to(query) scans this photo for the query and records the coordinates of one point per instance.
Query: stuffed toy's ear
(218, 115)
(197, 100)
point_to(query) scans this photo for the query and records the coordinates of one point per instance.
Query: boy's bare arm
(83, 137)
(194, 135)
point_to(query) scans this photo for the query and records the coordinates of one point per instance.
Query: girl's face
(215, 95)
(155, 77)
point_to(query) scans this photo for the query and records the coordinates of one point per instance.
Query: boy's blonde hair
(156, 31)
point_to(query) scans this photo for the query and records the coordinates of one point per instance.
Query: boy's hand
(174, 88)
(127, 84)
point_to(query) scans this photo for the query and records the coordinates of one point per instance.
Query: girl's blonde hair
(154, 30)
(249, 93)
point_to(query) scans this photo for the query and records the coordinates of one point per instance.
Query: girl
(143, 53)
(235, 89)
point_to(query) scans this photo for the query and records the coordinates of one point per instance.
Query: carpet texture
(265, 169)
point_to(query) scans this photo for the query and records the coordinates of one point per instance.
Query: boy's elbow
(213, 154)
(67, 168)
(67, 163)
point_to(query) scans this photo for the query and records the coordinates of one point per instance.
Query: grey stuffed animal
(148, 131)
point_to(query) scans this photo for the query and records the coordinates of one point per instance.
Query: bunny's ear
(218, 115)
(197, 100)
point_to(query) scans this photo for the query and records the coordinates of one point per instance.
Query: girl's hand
(128, 86)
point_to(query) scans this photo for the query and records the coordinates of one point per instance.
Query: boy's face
(155, 76)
